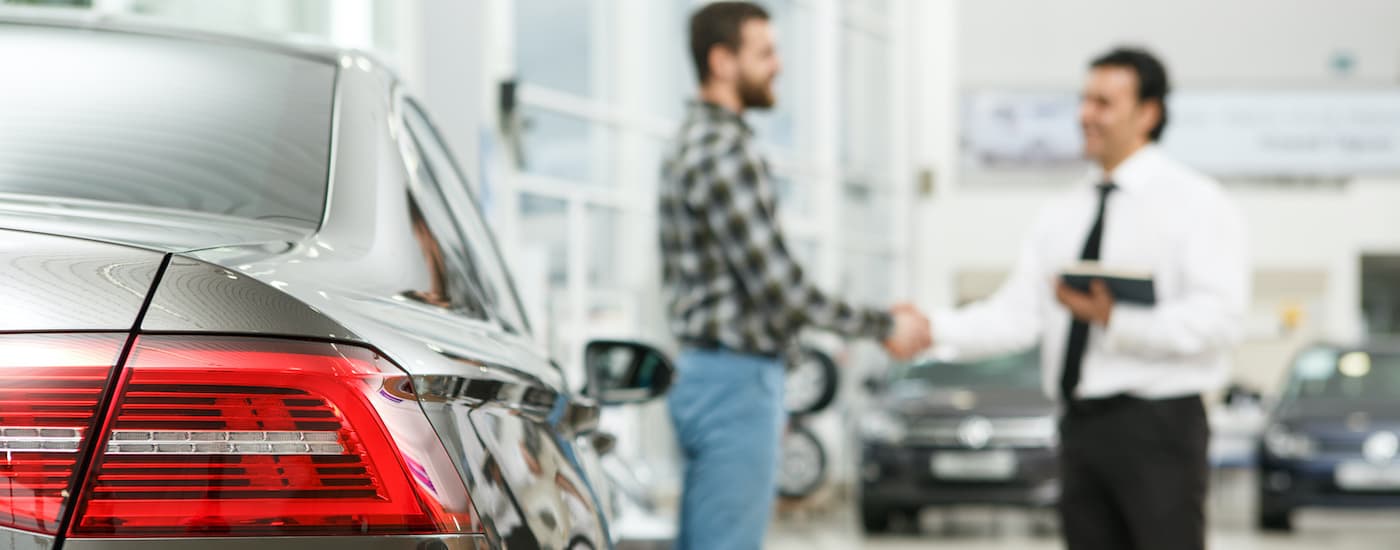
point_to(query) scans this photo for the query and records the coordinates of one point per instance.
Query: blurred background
(914, 140)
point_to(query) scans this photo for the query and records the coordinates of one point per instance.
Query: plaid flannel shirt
(726, 269)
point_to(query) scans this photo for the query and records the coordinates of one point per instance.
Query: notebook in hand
(1130, 287)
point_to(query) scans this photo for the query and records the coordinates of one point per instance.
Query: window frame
(465, 213)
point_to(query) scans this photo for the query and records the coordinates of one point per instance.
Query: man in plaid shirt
(737, 298)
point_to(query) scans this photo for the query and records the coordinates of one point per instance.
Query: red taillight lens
(238, 436)
(50, 387)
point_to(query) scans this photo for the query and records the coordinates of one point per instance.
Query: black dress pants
(1134, 474)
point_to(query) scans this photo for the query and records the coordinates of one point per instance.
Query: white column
(824, 109)
(932, 28)
(453, 75)
(906, 245)
(638, 173)
(408, 42)
(577, 328)
(352, 23)
(1343, 317)
(497, 44)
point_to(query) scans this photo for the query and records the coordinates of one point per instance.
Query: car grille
(1023, 432)
(1339, 446)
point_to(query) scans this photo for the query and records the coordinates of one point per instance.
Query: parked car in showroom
(949, 432)
(249, 302)
(1333, 438)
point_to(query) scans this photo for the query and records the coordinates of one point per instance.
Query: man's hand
(1095, 307)
(911, 335)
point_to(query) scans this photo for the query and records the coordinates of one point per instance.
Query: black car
(952, 432)
(249, 302)
(1333, 438)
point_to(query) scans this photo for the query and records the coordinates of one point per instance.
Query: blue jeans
(728, 412)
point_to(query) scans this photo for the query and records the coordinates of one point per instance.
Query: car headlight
(1283, 443)
(883, 427)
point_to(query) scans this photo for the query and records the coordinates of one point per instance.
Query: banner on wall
(1336, 133)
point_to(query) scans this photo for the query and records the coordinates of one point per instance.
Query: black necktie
(1079, 330)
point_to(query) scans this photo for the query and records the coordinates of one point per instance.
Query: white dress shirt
(1163, 218)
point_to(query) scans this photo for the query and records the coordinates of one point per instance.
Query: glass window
(567, 147)
(795, 200)
(867, 207)
(544, 232)
(877, 6)
(70, 3)
(783, 127)
(603, 241)
(871, 13)
(312, 17)
(868, 276)
(804, 251)
(165, 123)
(544, 221)
(484, 268)
(450, 282)
(554, 45)
(1380, 294)
(867, 120)
(666, 59)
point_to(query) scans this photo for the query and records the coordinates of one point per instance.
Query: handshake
(912, 333)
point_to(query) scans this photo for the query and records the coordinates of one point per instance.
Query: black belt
(1102, 405)
(707, 344)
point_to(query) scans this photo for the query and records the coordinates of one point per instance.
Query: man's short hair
(719, 24)
(1151, 75)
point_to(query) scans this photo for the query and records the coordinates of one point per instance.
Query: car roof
(1387, 346)
(1383, 345)
(98, 21)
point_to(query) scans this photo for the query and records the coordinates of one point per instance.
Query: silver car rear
(251, 302)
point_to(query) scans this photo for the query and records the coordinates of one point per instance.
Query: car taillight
(50, 387)
(242, 436)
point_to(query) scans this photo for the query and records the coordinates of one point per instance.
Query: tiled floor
(1328, 531)
(836, 528)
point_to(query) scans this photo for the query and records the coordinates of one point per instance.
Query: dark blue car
(1333, 440)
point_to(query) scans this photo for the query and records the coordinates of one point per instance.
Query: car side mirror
(621, 372)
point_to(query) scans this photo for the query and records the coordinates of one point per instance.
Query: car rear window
(163, 122)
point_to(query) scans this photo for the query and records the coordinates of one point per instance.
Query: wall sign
(1259, 133)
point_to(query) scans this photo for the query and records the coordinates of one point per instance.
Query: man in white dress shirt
(1129, 376)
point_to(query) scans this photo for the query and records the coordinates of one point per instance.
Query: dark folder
(1127, 286)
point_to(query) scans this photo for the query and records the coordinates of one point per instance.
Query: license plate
(1364, 476)
(974, 465)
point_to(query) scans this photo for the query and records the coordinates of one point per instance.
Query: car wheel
(803, 466)
(1280, 521)
(876, 520)
(811, 383)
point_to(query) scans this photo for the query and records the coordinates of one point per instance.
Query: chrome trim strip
(15, 539)
(366, 542)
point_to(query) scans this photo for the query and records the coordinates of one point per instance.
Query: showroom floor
(835, 528)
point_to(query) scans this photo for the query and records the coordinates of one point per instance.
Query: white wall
(1204, 42)
(974, 221)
